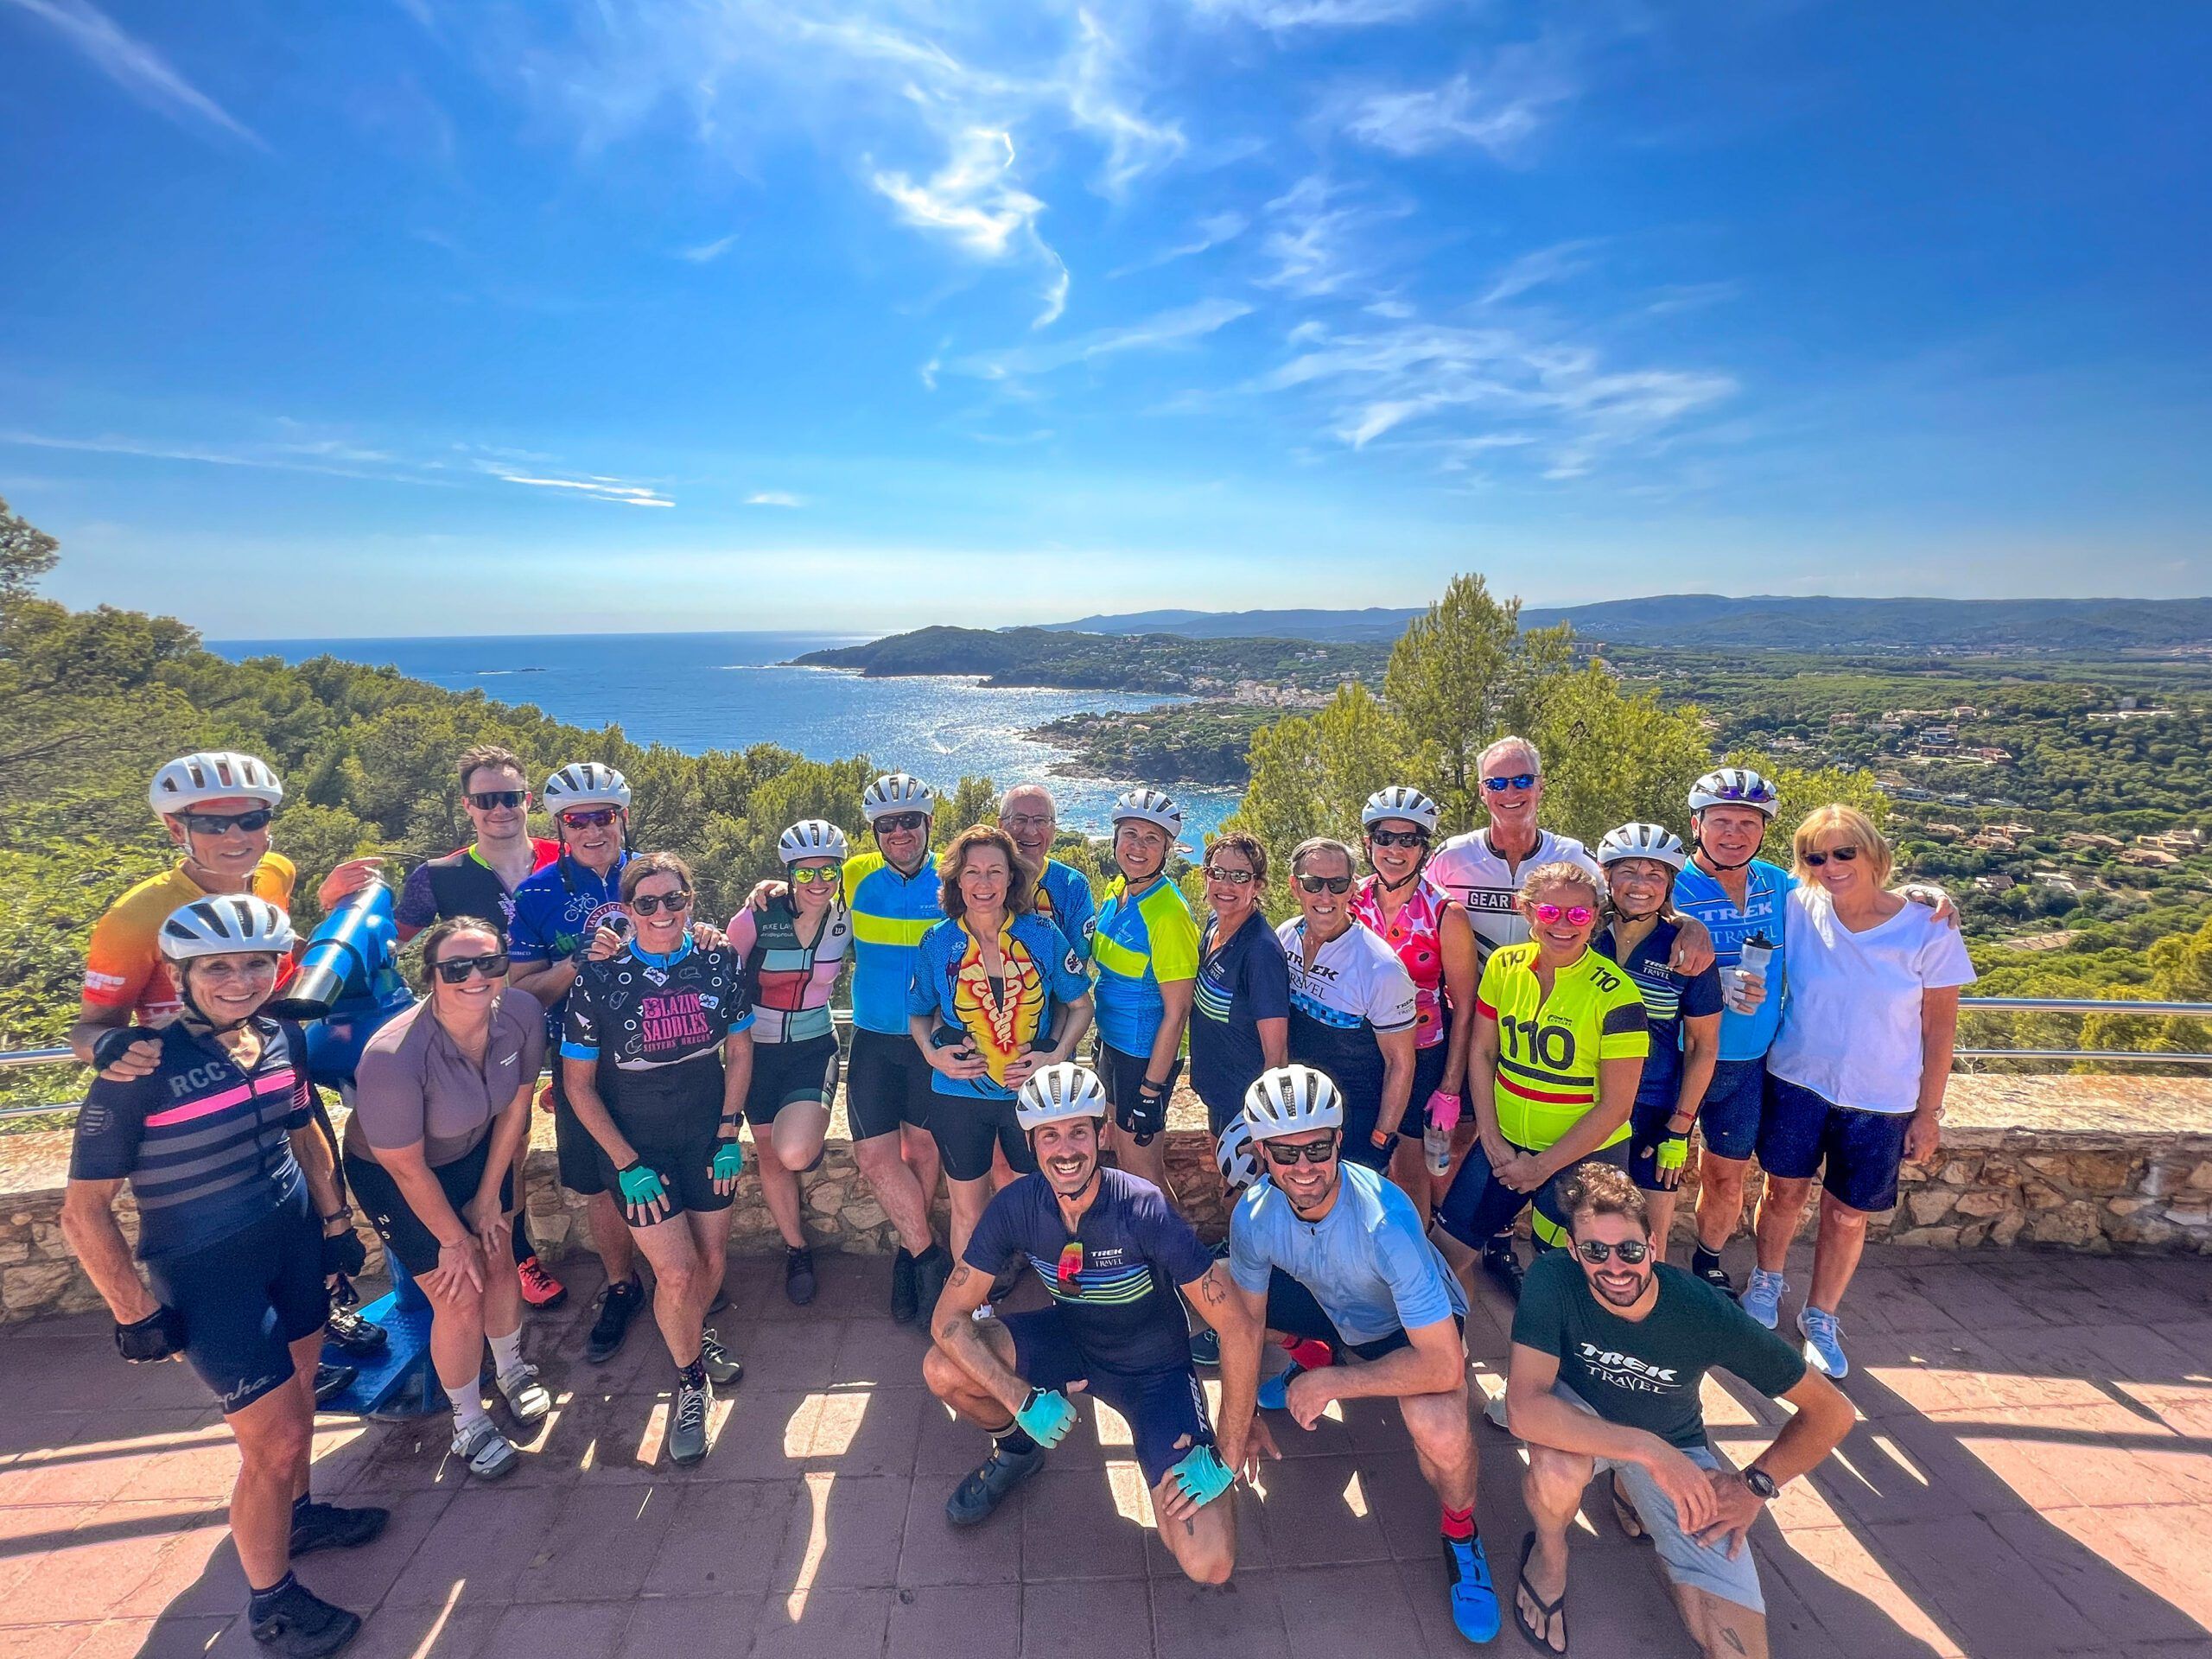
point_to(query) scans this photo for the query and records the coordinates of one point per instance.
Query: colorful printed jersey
(656, 1025)
(1001, 1019)
(787, 980)
(890, 913)
(1063, 900)
(123, 968)
(1353, 993)
(1114, 1279)
(1668, 998)
(556, 912)
(1412, 937)
(1549, 1048)
(204, 1143)
(1766, 892)
(463, 884)
(1481, 881)
(1139, 940)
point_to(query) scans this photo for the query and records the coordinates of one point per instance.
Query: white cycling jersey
(1478, 876)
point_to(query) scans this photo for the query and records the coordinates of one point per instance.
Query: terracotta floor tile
(973, 1621)
(1077, 1615)
(602, 1543)
(1076, 1525)
(709, 1627)
(822, 1624)
(1319, 1509)
(845, 1534)
(723, 1538)
(932, 1551)
(1241, 1619)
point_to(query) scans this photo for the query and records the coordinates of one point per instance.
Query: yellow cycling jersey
(1549, 1048)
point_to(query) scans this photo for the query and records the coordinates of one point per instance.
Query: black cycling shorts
(1293, 1311)
(886, 1083)
(246, 1300)
(966, 1128)
(574, 1149)
(1428, 1078)
(680, 1153)
(785, 1074)
(404, 1233)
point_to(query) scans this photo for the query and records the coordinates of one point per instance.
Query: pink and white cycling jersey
(1412, 935)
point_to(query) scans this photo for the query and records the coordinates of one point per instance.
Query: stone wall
(2083, 1163)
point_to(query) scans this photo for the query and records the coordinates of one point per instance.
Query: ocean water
(698, 691)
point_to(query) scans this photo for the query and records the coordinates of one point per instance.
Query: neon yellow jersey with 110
(1549, 1048)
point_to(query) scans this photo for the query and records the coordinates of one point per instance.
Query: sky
(411, 317)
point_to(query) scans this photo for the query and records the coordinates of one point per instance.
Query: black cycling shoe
(798, 1275)
(331, 1381)
(905, 1300)
(357, 1336)
(618, 1306)
(1716, 1275)
(325, 1526)
(973, 1501)
(931, 1268)
(302, 1625)
(1205, 1346)
(1503, 1263)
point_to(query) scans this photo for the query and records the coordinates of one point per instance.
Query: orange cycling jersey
(123, 968)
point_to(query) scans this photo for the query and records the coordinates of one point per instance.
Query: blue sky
(400, 316)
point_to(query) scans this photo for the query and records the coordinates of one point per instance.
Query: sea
(700, 691)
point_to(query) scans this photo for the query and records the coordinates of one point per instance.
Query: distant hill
(1144, 662)
(1758, 621)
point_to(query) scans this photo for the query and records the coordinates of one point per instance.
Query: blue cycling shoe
(1474, 1598)
(1274, 1392)
(973, 1501)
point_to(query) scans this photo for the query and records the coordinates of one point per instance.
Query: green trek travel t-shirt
(1645, 1373)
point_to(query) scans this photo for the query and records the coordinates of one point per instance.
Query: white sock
(469, 1410)
(506, 1353)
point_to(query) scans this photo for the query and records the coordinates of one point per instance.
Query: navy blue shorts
(1479, 1206)
(1163, 1408)
(1735, 1101)
(1861, 1151)
(1647, 1127)
(246, 1300)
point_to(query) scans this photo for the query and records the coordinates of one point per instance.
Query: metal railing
(2059, 1005)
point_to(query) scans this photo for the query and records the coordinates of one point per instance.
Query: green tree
(26, 554)
(1611, 758)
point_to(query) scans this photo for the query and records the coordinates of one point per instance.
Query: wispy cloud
(1493, 387)
(134, 65)
(1210, 233)
(1319, 243)
(596, 489)
(1286, 14)
(774, 498)
(1539, 267)
(333, 457)
(1161, 332)
(1498, 117)
(706, 252)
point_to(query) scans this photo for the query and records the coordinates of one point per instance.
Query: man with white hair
(1028, 813)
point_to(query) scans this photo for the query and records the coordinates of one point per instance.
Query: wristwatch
(1761, 1484)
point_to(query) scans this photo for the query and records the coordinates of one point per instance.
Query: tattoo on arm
(962, 1273)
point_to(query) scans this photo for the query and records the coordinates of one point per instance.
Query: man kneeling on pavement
(1610, 1349)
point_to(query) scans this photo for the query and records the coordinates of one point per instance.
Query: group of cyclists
(1445, 1033)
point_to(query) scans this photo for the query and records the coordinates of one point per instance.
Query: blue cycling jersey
(1063, 900)
(1767, 886)
(1000, 1019)
(556, 912)
(890, 913)
(1139, 940)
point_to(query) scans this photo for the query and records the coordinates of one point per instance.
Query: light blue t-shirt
(1743, 1036)
(1368, 1262)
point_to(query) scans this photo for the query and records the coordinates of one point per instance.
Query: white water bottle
(1436, 1147)
(1758, 955)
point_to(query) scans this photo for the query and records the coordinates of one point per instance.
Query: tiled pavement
(2033, 1475)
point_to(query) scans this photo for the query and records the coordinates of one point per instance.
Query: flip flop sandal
(1547, 1610)
(1625, 1515)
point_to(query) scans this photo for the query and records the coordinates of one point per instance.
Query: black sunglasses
(454, 970)
(490, 800)
(1841, 854)
(213, 823)
(902, 821)
(1318, 1151)
(1596, 1252)
(1333, 883)
(1398, 838)
(652, 904)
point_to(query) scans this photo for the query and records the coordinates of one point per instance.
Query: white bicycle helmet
(586, 783)
(1641, 841)
(897, 791)
(229, 925)
(1148, 806)
(1735, 786)
(1063, 1090)
(212, 775)
(1233, 1152)
(1400, 802)
(811, 838)
(1290, 1100)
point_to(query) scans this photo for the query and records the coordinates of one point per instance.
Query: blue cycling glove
(1202, 1475)
(1045, 1417)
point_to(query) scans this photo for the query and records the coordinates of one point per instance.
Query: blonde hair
(1560, 873)
(1848, 827)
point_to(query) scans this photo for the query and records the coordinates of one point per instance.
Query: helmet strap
(1386, 883)
(1329, 1196)
(194, 1017)
(1697, 845)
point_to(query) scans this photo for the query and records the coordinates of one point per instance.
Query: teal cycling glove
(1045, 1417)
(1202, 1475)
(729, 1161)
